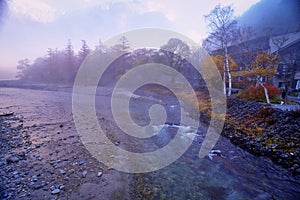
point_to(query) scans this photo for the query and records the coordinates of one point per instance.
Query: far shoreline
(22, 84)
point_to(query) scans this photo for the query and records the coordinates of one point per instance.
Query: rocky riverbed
(265, 131)
(48, 165)
(52, 163)
(42, 157)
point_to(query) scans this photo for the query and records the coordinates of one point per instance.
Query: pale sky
(30, 27)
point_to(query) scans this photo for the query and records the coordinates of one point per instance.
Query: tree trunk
(266, 92)
(224, 81)
(228, 72)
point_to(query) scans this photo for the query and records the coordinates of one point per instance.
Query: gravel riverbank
(42, 156)
(265, 131)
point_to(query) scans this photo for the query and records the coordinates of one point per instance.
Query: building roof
(281, 42)
(297, 76)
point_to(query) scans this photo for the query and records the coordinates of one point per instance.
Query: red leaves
(257, 92)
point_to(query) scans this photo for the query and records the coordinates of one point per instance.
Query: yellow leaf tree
(264, 65)
(219, 60)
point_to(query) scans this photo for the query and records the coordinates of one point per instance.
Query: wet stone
(82, 162)
(34, 179)
(12, 159)
(84, 173)
(62, 187)
(22, 155)
(55, 191)
(37, 186)
(99, 174)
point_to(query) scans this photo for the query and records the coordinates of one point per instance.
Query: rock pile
(265, 131)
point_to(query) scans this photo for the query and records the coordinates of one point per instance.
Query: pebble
(34, 179)
(37, 186)
(82, 162)
(99, 174)
(84, 173)
(62, 187)
(55, 191)
(62, 171)
(13, 159)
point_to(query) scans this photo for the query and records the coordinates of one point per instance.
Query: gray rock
(82, 162)
(34, 179)
(62, 171)
(99, 174)
(37, 186)
(22, 155)
(12, 159)
(55, 191)
(84, 173)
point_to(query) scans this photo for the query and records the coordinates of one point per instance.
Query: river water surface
(232, 174)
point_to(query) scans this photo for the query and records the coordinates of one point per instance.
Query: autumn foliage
(219, 60)
(257, 92)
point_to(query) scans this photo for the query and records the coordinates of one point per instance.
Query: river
(232, 174)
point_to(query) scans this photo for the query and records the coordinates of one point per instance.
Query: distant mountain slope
(3, 7)
(280, 15)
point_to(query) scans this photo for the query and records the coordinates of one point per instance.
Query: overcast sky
(29, 27)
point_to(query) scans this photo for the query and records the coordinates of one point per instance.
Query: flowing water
(231, 173)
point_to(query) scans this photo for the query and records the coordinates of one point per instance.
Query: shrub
(257, 93)
(265, 112)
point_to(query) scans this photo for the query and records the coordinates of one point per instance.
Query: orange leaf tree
(263, 66)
